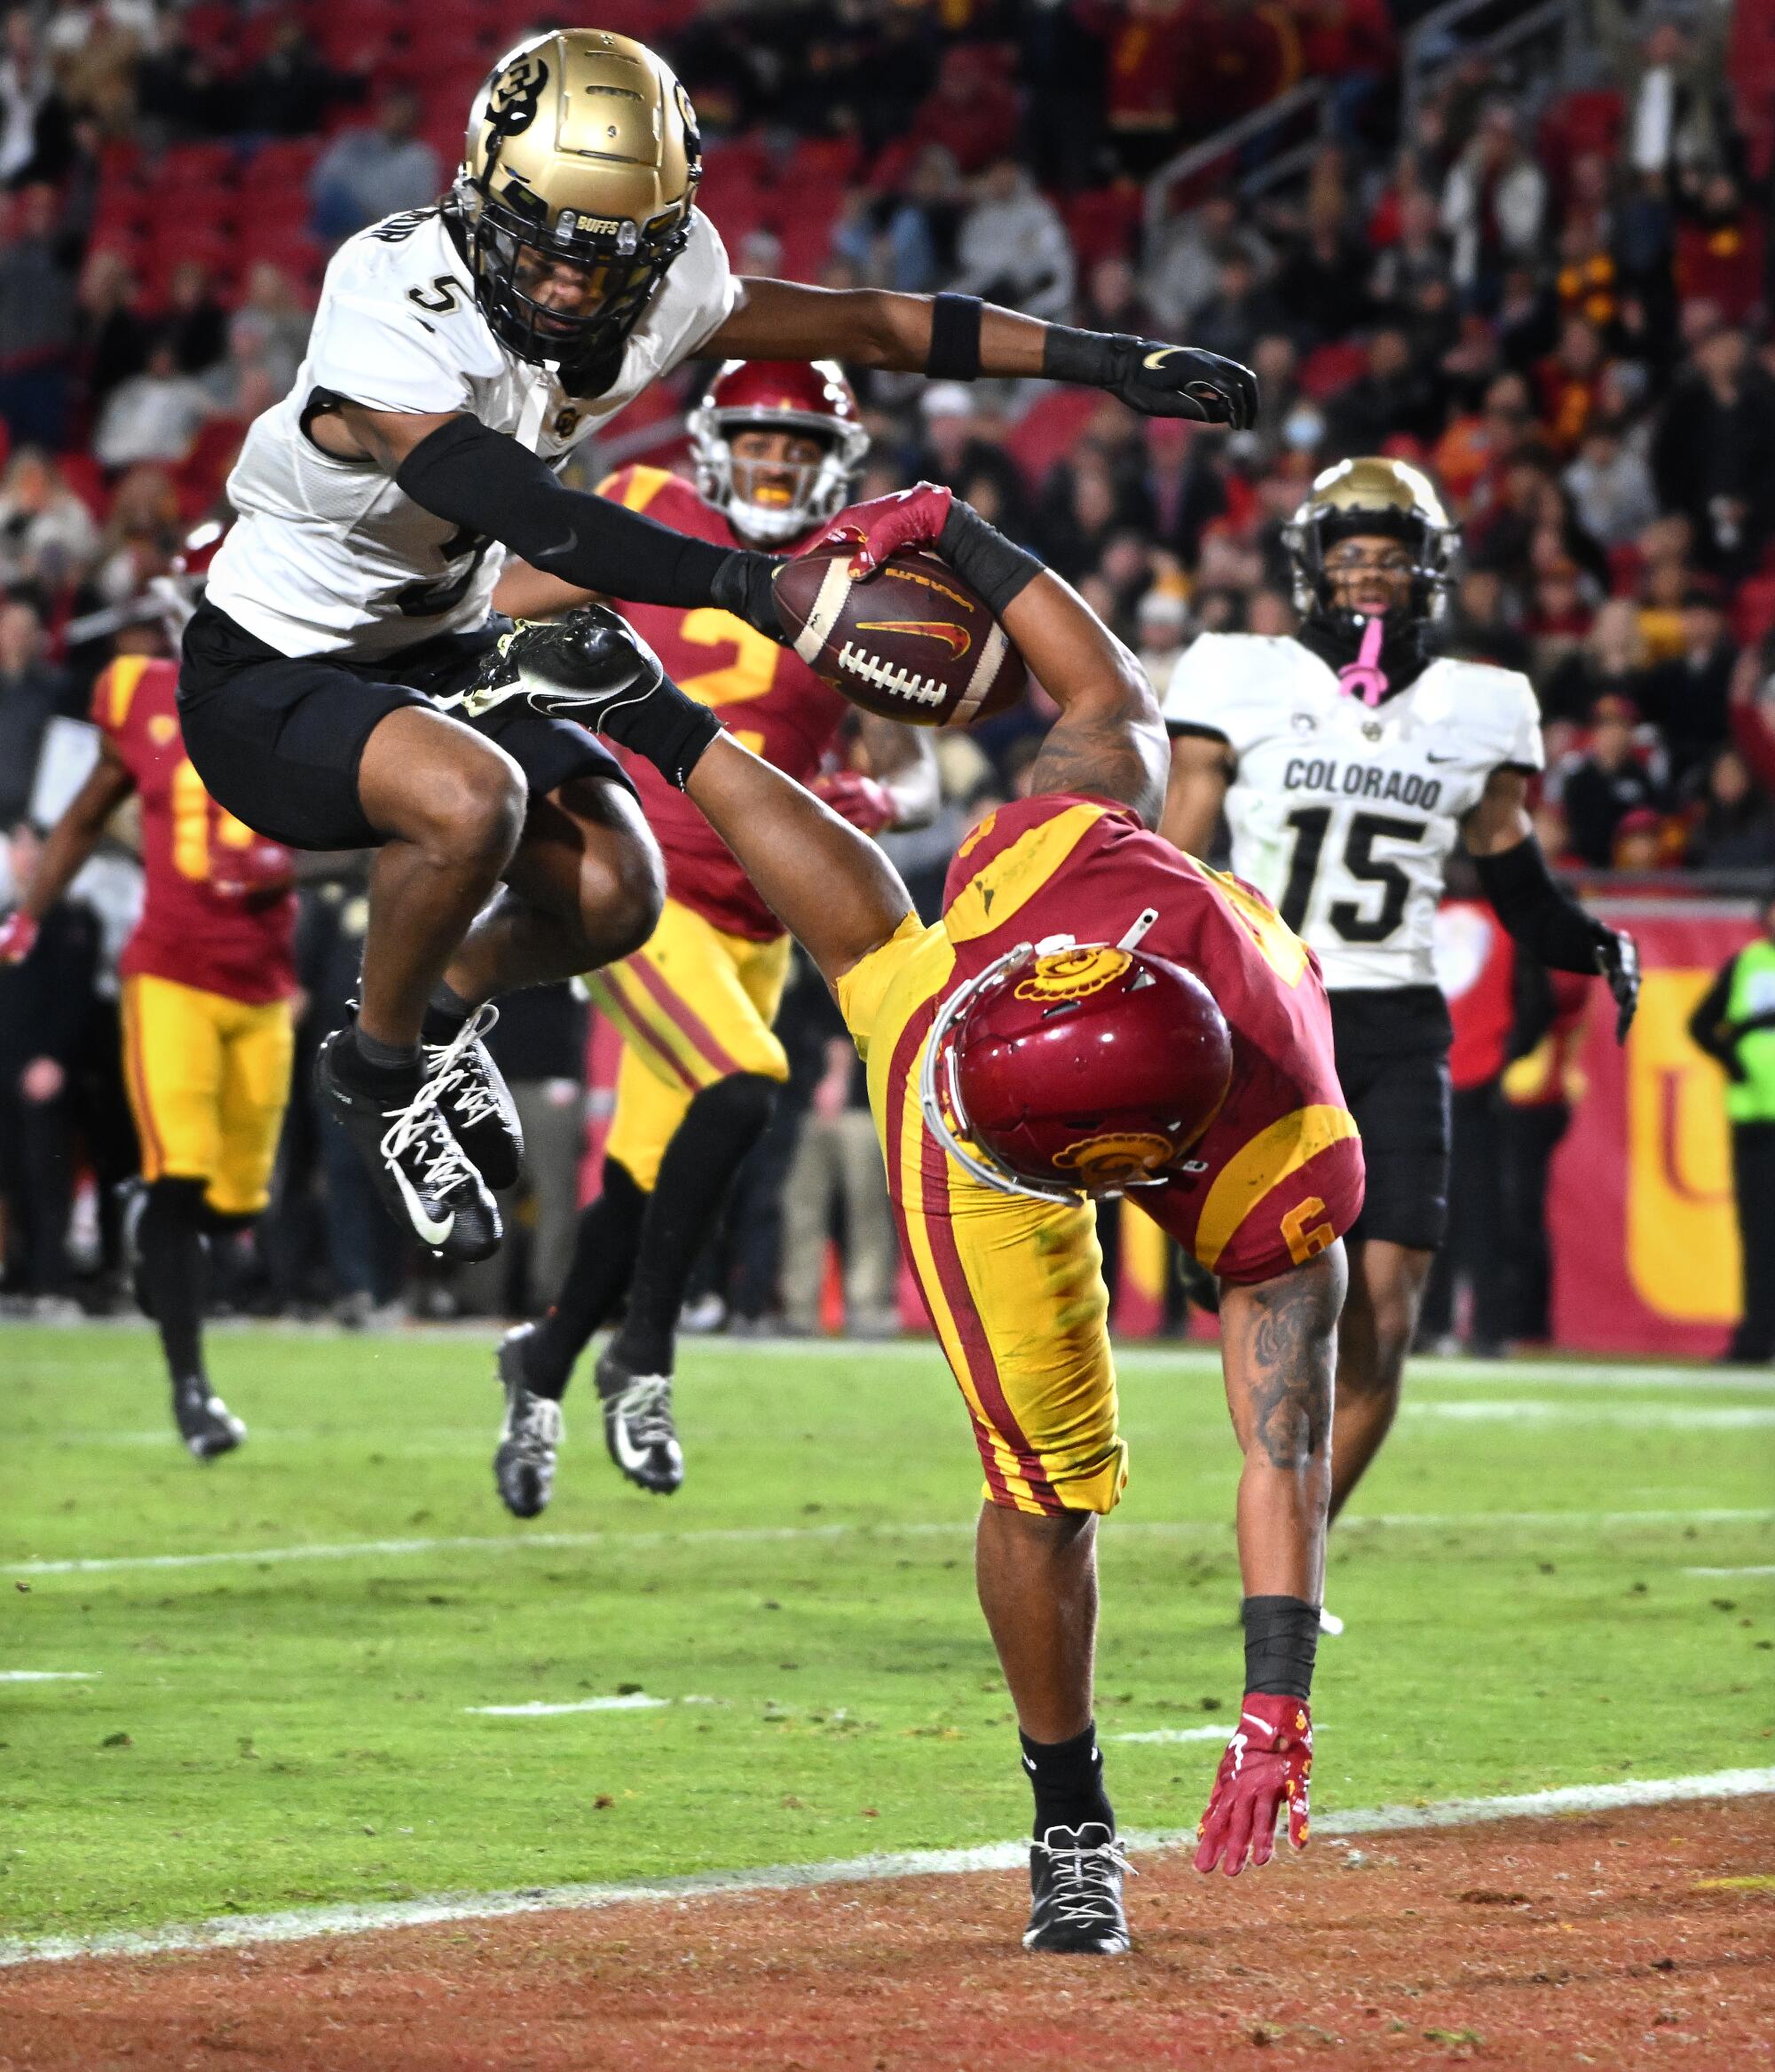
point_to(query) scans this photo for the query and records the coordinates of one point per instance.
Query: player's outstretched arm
(959, 337)
(1201, 774)
(1534, 907)
(485, 483)
(1279, 1349)
(66, 848)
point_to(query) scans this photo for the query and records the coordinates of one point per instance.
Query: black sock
(175, 1270)
(1068, 1780)
(720, 1127)
(379, 1068)
(445, 1014)
(604, 1246)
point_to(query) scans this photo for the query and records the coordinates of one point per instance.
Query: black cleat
(638, 1428)
(420, 1172)
(524, 1467)
(475, 1102)
(1076, 1877)
(206, 1424)
(582, 667)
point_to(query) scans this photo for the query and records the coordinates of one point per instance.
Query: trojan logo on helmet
(579, 175)
(774, 500)
(1083, 1072)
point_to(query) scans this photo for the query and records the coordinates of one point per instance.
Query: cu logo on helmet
(1073, 974)
(517, 97)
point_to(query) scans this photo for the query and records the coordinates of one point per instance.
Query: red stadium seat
(1105, 220)
(86, 478)
(195, 165)
(1049, 429)
(1752, 609)
(1327, 368)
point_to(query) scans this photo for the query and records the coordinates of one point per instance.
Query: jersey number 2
(1311, 824)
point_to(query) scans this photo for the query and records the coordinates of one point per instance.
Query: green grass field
(256, 1733)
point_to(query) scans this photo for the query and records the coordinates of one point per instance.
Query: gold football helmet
(1373, 494)
(575, 196)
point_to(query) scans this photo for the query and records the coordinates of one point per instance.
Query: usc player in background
(1094, 1012)
(776, 445)
(207, 975)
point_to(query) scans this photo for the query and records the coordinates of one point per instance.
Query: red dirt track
(1523, 1943)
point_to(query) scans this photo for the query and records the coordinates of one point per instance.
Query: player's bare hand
(1618, 961)
(861, 800)
(18, 933)
(1264, 1772)
(909, 517)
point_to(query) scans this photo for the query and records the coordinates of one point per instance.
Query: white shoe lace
(645, 1407)
(453, 1068)
(443, 1166)
(533, 1424)
(1084, 1879)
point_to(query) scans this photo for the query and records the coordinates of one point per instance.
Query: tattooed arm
(1279, 1348)
(1108, 739)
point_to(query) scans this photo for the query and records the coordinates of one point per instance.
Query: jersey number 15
(1310, 826)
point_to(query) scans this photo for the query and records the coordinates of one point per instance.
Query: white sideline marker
(303, 1923)
(1166, 1736)
(629, 1701)
(326, 1550)
(50, 1675)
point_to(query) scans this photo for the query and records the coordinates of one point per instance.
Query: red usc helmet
(779, 501)
(1078, 1071)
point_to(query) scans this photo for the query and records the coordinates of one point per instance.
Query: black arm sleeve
(1541, 915)
(485, 480)
(1707, 1024)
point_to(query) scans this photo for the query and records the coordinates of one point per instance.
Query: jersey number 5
(1311, 824)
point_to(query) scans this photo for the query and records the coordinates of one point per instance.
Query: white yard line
(1761, 1568)
(56, 1675)
(633, 1701)
(769, 1534)
(1699, 1416)
(1166, 1736)
(303, 1924)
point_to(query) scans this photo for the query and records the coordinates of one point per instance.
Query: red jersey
(1278, 1173)
(212, 916)
(766, 696)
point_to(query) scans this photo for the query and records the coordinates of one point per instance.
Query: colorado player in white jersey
(1349, 760)
(458, 354)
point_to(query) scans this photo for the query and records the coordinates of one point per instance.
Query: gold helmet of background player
(1373, 495)
(578, 181)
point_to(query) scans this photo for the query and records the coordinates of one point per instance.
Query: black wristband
(670, 730)
(1538, 911)
(954, 354)
(1088, 359)
(984, 558)
(1281, 1642)
(742, 585)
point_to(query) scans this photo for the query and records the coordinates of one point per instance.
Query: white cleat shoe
(1330, 1623)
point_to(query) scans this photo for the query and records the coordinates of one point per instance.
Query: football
(910, 642)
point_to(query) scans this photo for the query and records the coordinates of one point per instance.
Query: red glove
(1265, 1767)
(909, 517)
(262, 872)
(17, 932)
(858, 799)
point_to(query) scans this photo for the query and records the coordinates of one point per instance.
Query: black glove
(744, 585)
(592, 667)
(1618, 961)
(1156, 379)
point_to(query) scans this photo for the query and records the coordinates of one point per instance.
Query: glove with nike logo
(1618, 961)
(908, 517)
(1156, 379)
(1264, 1769)
(591, 665)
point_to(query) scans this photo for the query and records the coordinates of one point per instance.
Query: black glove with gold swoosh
(1156, 379)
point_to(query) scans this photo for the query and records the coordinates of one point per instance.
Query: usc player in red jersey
(777, 445)
(207, 977)
(1095, 1012)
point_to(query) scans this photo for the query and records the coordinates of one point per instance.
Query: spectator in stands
(32, 692)
(1736, 830)
(1493, 204)
(1162, 633)
(34, 118)
(142, 532)
(1713, 455)
(37, 317)
(1320, 285)
(1677, 120)
(1013, 247)
(291, 87)
(1182, 273)
(1240, 311)
(1611, 484)
(47, 534)
(154, 415)
(1686, 697)
(972, 111)
(1601, 786)
(195, 324)
(1611, 662)
(1392, 395)
(112, 340)
(269, 329)
(367, 173)
(1114, 300)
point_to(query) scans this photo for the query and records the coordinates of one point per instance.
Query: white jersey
(1343, 813)
(329, 556)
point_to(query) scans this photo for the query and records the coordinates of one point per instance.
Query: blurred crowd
(1550, 287)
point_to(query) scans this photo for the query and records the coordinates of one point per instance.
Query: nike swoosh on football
(953, 637)
(433, 1232)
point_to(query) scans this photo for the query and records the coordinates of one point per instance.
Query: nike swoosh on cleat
(433, 1232)
(627, 1454)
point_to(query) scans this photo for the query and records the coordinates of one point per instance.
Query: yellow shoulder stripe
(643, 484)
(122, 680)
(994, 893)
(1258, 1167)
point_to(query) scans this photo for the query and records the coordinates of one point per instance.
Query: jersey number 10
(1310, 826)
